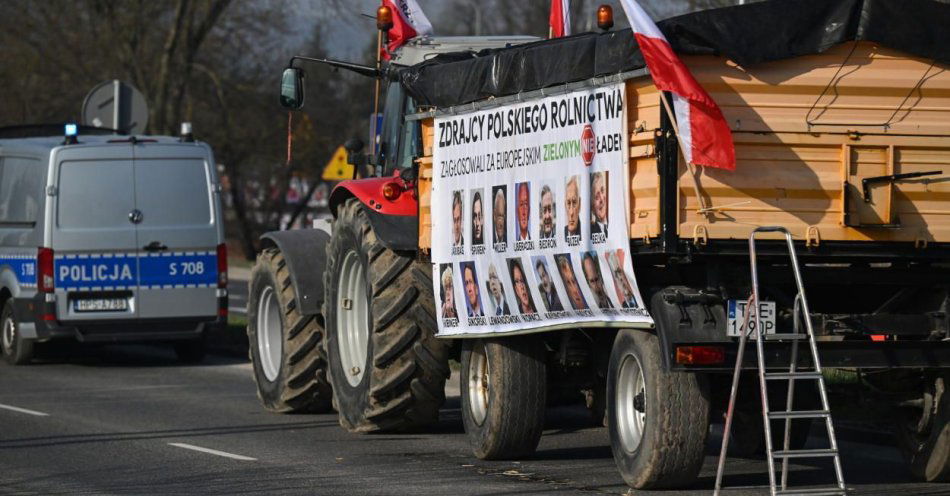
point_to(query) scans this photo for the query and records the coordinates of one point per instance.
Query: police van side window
(21, 190)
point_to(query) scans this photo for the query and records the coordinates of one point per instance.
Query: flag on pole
(560, 19)
(408, 22)
(704, 135)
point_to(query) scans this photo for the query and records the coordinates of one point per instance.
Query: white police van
(107, 238)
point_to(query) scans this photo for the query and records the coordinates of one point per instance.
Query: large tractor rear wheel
(286, 347)
(657, 420)
(387, 368)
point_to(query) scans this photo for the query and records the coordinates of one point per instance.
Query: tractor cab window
(410, 143)
(392, 122)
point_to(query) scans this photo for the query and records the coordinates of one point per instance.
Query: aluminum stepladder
(801, 316)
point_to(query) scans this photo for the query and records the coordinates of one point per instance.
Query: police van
(109, 238)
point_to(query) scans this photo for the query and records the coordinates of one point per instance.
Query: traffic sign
(338, 168)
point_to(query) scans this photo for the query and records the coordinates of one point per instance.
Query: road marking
(23, 410)
(238, 310)
(213, 452)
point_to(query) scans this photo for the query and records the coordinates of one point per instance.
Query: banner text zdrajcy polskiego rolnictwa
(529, 226)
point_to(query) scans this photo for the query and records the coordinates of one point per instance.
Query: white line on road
(24, 410)
(213, 452)
(238, 310)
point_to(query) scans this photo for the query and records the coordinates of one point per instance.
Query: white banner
(529, 221)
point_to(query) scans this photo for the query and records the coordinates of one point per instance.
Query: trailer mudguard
(305, 253)
(395, 222)
(685, 315)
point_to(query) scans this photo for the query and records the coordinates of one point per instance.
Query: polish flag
(704, 135)
(408, 22)
(560, 19)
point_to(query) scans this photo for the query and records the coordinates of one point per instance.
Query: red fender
(369, 191)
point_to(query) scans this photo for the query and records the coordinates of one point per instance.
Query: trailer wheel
(387, 368)
(924, 431)
(285, 345)
(504, 389)
(658, 420)
(16, 349)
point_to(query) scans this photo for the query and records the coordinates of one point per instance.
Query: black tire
(402, 382)
(16, 349)
(510, 418)
(191, 351)
(300, 384)
(925, 440)
(676, 416)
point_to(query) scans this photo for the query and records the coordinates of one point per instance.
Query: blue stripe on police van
(23, 266)
(129, 270)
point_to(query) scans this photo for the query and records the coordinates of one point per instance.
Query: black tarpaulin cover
(747, 34)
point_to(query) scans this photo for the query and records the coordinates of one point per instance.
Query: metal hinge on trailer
(801, 319)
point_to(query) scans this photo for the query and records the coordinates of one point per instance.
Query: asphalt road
(131, 420)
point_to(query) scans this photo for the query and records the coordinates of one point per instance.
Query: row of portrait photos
(584, 294)
(581, 215)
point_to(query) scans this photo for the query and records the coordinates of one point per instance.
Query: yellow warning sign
(337, 168)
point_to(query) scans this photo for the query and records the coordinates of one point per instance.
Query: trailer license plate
(101, 304)
(737, 314)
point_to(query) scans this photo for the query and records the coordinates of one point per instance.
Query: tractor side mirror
(291, 89)
(354, 152)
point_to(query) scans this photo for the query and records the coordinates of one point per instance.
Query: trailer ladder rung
(806, 453)
(799, 414)
(802, 335)
(819, 491)
(786, 337)
(778, 376)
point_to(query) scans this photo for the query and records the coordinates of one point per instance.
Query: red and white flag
(408, 22)
(560, 19)
(704, 134)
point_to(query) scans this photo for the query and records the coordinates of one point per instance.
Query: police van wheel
(658, 420)
(16, 349)
(191, 351)
(504, 389)
(387, 368)
(286, 347)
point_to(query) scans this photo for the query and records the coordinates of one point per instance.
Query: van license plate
(101, 304)
(736, 315)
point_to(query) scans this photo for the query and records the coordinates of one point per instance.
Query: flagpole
(703, 208)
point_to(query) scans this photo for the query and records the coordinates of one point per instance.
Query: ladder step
(798, 414)
(792, 375)
(817, 491)
(805, 453)
(785, 337)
